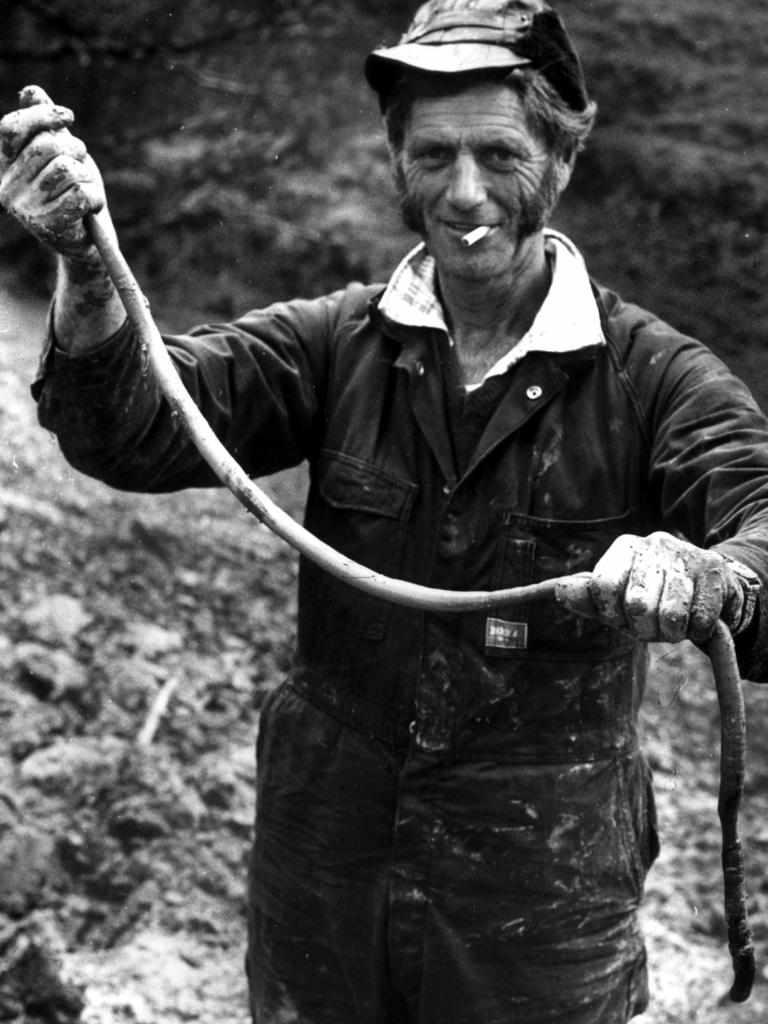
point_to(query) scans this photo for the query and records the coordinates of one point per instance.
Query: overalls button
(420, 369)
(534, 392)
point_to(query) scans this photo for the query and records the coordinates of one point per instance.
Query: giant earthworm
(733, 756)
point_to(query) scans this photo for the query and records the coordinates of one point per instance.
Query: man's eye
(500, 156)
(434, 155)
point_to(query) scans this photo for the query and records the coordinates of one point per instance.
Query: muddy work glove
(659, 588)
(48, 182)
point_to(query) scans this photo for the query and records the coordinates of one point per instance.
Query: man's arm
(86, 310)
(50, 184)
(708, 478)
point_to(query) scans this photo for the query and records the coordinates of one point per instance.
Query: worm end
(743, 976)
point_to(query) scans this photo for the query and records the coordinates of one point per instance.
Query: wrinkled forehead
(474, 116)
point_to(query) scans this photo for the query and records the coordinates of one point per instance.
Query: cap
(455, 36)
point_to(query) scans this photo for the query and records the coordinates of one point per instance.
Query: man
(454, 820)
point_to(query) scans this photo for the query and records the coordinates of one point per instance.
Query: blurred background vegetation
(245, 162)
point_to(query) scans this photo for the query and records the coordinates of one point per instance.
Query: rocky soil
(138, 637)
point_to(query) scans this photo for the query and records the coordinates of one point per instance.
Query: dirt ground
(125, 825)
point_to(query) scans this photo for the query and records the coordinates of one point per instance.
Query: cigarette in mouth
(475, 235)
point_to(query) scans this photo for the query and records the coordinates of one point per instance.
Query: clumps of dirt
(32, 985)
(106, 826)
(138, 638)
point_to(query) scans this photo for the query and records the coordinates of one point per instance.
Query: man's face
(470, 160)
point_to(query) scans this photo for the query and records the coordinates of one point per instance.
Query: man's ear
(566, 164)
(395, 159)
(397, 169)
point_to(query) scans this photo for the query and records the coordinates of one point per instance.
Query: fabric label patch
(506, 636)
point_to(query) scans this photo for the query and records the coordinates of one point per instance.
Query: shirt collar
(411, 298)
(567, 321)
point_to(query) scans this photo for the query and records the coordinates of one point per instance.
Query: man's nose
(467, 187)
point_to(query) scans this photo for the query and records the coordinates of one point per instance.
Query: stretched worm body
(721, 651)
(733, 757)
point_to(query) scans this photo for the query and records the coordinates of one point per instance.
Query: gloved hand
(48, 181)
(660, 588)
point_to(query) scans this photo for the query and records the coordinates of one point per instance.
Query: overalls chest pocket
(361, 510)
(532, 549)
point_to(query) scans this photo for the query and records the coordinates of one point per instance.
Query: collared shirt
(567, 321)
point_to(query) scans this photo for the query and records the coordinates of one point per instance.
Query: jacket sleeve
(708, 473)
(259, 381)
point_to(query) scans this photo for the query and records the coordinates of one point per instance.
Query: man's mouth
(476, 235)
(469, 232)
(463, 226)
